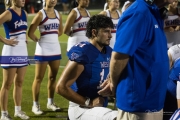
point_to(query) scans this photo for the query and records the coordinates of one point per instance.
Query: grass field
(27, 93)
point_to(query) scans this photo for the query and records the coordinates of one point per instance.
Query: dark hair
(97, 22)
(73, 5)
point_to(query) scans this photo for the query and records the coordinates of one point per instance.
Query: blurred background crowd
(33, 6)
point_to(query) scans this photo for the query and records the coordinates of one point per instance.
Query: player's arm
(117, 64)
(69, 23)
(60, 31)
(71, 72)
(34, 24)
(6, 17)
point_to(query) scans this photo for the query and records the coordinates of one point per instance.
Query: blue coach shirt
(142, 86)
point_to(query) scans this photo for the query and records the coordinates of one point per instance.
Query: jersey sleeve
(77, 54)
(175, 74)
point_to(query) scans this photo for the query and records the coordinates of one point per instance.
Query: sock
(35, 103)
(17, 109)
(4, 113)
(50, 101)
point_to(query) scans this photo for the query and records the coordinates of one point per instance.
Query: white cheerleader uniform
(79, 30)
(172, 37)
(48, 47)
(15, 56)
(115, 23)
(175, 52)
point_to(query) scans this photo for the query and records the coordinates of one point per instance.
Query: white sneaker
(53, 107)
(21, 115)
(36, 110)
(6, 117)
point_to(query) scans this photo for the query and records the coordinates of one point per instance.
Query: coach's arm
(117, 64)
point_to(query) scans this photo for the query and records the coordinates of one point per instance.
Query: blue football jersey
(175, 71)
(174, 76)
(96, 68)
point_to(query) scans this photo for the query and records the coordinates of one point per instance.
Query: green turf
(27, 92)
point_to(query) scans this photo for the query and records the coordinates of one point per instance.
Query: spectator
(114, 13)
(171, 23)
(14, 20)
(126, 5)
(75, 25)
(48, 52)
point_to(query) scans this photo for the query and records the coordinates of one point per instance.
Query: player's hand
(11, 42)
(97, 102)
(176, 115)
(106, 90)
(104, 83)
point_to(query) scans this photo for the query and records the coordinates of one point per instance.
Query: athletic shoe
(6, 117)
(21, 115)
(36, 110)
(53, 107)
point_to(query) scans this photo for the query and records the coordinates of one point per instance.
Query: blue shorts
(47, 58)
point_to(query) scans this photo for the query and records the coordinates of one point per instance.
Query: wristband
(87, 102)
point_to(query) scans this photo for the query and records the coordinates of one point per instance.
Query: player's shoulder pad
(83, 52)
